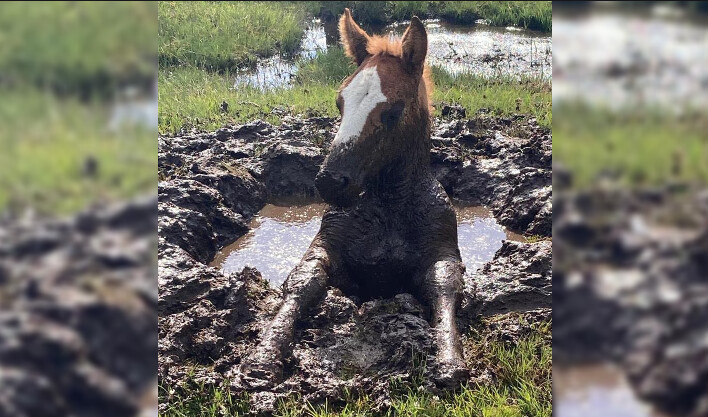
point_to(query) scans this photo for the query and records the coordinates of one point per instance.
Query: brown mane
(378, 45)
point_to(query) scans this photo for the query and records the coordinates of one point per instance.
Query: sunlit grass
(47, 148)
(191, 98)
(226, 35)
(89, 48)
(634, 148)
(532, 14)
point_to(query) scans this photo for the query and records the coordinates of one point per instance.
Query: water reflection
(279, 236)
(486, 50)
(480, 49)
(134, 108)
(479, 236)
(595, 390)
(620, 59)
(278, 71)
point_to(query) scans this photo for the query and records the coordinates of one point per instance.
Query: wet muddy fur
(390, 227)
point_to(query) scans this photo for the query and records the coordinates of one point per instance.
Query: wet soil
(630, 289)
(213, 184)
(78, 306)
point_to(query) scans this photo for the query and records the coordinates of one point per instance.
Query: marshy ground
(630, 152)
(214, 74)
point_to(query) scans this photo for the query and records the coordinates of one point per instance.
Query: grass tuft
(535, 15)
(48, 144)
(190, 98)
(223, 36)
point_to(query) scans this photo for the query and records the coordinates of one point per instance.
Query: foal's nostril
(336, 188)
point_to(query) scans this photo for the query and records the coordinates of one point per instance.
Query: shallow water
(595, 390)
(279, 236)
(485, 50)
(278, 71)
(619, 58)
(134, 108)
(480, 49)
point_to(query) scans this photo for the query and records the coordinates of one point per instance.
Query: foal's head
(385, 108)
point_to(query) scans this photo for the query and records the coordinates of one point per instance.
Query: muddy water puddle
(480, 49)
(595, 390)
(622, 58)
(279, 236)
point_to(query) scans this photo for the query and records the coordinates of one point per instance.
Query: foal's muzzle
(337, 189)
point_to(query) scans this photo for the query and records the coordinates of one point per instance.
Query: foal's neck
(399, 181)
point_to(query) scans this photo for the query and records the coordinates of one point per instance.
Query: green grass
(637, 148)
(521, 387)
(330, 68)
(191, 98)
(77, 47)
(224, 36)
(503, 95)
(532, 15)
(221, 36)
(45, 142)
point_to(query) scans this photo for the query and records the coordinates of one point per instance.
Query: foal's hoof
(260, 371)
(452, 374)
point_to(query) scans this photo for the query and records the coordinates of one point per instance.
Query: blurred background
(78, 172)
(78, 115)
(630, 147)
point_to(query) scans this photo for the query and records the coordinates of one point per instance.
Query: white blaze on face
(360, 97)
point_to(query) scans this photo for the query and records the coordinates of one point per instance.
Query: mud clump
(79, 304)
(502, 163)
(630, 287)
(209, 321)
(518, 279)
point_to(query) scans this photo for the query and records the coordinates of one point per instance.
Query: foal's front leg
(443, 289)
(304, 286)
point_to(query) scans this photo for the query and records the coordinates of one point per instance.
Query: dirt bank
(78, 308)
(630, 288)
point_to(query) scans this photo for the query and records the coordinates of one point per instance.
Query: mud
(630, 288)
(212, 185)
(78, 305)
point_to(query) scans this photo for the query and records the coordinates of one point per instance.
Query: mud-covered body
(391, 227)
(385, 247)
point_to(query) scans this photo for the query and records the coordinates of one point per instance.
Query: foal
(390, 226)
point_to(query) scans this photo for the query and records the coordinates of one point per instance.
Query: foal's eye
(390, 117)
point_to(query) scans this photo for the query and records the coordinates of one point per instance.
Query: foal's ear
(353, 37)
(414, 46)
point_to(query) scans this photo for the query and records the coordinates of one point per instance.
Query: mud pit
(213, 184)
(636, 260)
(280, 235)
